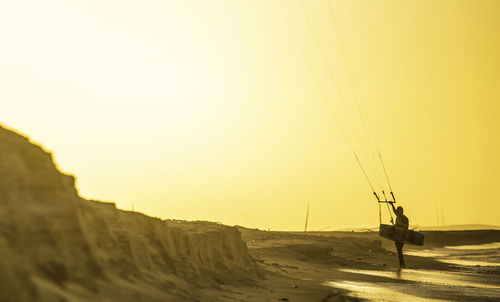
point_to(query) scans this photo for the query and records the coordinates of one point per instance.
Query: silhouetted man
(401, 228)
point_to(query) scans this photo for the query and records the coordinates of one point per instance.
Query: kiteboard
(411, 237)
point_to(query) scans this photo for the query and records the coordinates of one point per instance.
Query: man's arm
(393, 208)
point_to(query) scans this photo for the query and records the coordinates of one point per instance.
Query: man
(401, 228)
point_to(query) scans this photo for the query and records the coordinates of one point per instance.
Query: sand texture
(56, 246)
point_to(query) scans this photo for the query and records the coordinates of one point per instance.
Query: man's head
(399, 211)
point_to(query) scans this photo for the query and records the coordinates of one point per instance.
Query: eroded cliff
(57, 246)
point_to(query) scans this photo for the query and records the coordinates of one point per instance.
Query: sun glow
(220, 110)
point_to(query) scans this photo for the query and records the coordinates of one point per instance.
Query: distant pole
(133, 207)
(307, 217)
(437, 216)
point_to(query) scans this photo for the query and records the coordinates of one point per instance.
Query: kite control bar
(385, 201)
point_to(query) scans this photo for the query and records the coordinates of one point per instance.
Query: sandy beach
(345, 266)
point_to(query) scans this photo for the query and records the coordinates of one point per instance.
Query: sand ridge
(55, 244)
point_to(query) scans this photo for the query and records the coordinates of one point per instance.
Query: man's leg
(399, 248)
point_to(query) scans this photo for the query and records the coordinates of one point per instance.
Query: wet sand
(343, 266)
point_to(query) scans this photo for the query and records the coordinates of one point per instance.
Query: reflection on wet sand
(488, 246)
(465, 255)
(425, 253)
(421, 285)
(469, 262)
(429, 276)
(379, 293)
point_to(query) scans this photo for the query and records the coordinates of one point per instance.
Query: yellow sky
(222, 110)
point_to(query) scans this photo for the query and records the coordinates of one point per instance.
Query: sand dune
(55, 244)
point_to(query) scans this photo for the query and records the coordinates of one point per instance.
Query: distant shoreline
(433, 238)
(455, 227)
